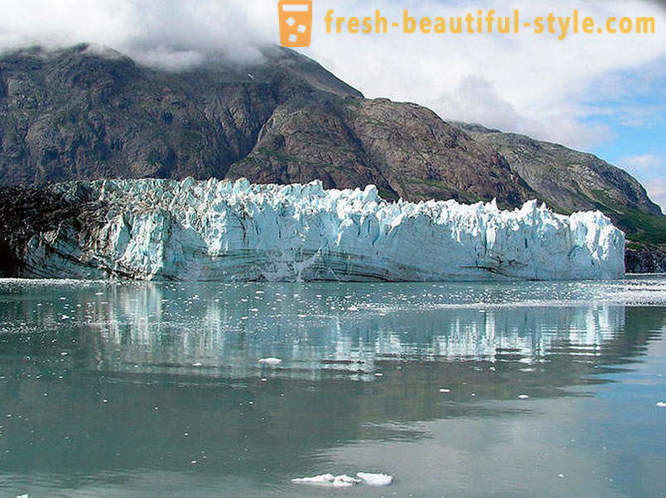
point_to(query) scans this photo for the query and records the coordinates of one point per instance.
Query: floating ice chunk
(661, 404)
(341, 481)
(273, 362)
(375, 479)
(344, 481)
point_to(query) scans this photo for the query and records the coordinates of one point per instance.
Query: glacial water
(509, 389)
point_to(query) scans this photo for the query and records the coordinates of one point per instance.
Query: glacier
(235, 231)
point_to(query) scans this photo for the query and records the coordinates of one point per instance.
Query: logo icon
(295, 17)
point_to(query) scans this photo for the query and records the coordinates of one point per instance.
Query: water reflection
(190, 329)
(100, 380)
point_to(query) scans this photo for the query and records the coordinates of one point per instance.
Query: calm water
(156, 389)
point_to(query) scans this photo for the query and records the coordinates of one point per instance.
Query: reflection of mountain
(224, 329)
(137, 347)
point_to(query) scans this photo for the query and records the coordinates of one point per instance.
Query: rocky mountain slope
(87, 113)
(566, 179)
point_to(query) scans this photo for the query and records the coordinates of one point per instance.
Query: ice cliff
(221, 230)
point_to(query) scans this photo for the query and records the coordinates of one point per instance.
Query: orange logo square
(295, 17)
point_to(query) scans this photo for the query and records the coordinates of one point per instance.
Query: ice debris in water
(223, 230)
(375, 479)
(341, 481)
(344, 481)
(273, 362)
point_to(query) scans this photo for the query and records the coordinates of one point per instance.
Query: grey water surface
(507, 389)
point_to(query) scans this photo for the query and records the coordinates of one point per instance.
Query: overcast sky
(600, 93)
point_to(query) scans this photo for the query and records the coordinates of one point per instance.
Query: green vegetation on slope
(638, 225)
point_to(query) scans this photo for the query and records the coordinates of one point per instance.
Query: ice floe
(341, 481)
(273, 362)
(345, 481)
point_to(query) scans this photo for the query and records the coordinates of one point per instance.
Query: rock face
(645, 260)
(566, 179)
(222, 230)
(83, 113)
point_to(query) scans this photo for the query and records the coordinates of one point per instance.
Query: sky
(600, 93)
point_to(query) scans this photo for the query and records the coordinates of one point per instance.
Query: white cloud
(647, 168)
(657, 191)
(528, 83)
(642, 162)
(166, 33)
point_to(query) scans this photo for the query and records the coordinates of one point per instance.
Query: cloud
(642, 162)
(527, 83)
(657, 191)
(168, 33)
(648, 169)
(660, 3)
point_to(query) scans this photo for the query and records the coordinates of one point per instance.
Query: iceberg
(220, 230)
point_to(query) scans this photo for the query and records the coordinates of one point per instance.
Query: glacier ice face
(222, 230)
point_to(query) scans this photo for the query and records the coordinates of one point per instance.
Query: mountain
(87, 113)
(566, 179)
